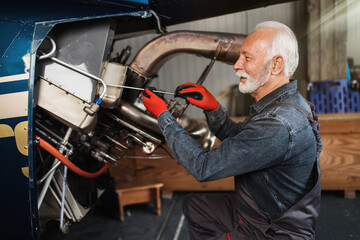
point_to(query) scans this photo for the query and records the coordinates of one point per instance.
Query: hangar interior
(127, 139)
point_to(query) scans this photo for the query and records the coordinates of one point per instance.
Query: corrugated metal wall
(353, 31)
(188, 68)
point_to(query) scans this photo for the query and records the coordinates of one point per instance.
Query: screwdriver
(140, 89)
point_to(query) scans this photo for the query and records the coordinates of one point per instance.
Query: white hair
(284, 43)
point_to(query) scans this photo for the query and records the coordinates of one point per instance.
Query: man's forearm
(185, 148)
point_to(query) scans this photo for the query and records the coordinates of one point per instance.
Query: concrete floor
(339, 220)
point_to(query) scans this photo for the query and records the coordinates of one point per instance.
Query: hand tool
(140, 89)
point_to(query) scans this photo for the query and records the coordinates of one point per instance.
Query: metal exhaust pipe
(223, 47)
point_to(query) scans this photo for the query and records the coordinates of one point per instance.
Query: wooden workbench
(339, 162)
(340, 158)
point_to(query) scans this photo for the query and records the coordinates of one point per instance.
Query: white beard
(253, 83)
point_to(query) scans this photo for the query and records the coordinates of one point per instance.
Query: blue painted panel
(15, 202)
(145, 2)
(35, 11)
(8, 32)
(16, 54)
(14, 207)
(16, 86)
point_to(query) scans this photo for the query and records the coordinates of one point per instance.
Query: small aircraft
(62, 98)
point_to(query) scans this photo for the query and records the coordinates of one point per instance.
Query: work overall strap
(313, 119)
(307, 209)
(298, 222)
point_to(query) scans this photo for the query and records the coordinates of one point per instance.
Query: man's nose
(238, 64)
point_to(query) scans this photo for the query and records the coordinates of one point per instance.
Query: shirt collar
(271, 97)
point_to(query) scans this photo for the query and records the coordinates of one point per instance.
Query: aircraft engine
(89, 109)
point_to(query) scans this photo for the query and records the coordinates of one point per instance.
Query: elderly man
(273, 155)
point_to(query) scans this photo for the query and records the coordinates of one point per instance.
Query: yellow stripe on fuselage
(14, 105)
(14, 78)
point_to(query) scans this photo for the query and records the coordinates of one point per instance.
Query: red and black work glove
(197, 95)
(154, 103)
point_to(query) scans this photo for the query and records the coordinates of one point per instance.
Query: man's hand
(153, 103)
(197, 95)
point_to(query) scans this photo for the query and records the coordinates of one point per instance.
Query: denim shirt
(275, 148)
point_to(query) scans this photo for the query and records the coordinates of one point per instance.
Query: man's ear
(277, 65)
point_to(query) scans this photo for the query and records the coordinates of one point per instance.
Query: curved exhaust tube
(224, 47)
(139, 116)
